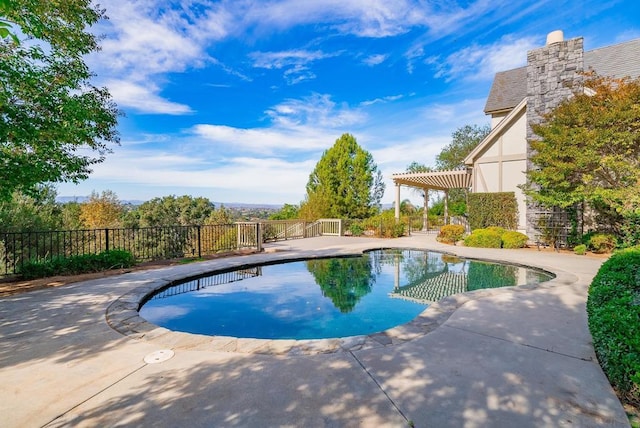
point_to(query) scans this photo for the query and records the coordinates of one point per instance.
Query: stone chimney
(554, 73)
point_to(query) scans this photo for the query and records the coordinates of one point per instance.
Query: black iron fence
(146, 243)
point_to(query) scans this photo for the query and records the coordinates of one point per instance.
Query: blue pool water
(324, 298)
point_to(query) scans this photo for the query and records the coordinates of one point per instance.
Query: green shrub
(450, 233)
(513, 239)
(613, 308)
(602, 243)
(580, 250)
(384, 225)
(74, 265)
(483, 238)
(356, 229)
(499, 230)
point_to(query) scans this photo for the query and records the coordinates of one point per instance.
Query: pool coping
(122, 315)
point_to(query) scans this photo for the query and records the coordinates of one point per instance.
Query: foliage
(450, 233)
(384, 225)
(343, 281)
(630, 230)
(602, 243)
(483, 238)
(356, 229)
(219, 216)
(463, 141)
(76, 264)
(24, 213)
(613, 307)
(580, 250)
(171, 211)
(54, 125)
(493, 209)
(101, 211)
(345, 183)
(287, 212)
(513, 239)
(589, 149)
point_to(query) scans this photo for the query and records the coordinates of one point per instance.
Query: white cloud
(143, 98)
(481, 62)
(382, 100)
(376, 59)
(295, 63)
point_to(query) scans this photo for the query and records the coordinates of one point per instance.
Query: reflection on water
(324, 298)
(345, 281)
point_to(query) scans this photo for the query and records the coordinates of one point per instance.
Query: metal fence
(154, 243)
(145, 243)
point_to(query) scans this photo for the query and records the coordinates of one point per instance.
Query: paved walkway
(499, 358)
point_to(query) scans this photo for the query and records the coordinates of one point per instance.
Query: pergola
(437, 180)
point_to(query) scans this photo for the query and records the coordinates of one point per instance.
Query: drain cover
(159, 356)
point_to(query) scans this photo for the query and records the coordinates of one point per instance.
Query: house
(519, 98)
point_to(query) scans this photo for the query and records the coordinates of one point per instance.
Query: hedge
(613, 307)
(76, 264)
(493, 209)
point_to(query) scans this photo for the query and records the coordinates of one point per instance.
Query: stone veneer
(554, 73)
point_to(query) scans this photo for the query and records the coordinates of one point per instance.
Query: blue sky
(237, 100)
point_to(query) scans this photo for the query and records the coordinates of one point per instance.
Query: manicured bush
(602, 243)
(450, 233)
(580, 250)
(483, 238)
(74, 265)
(613, 308)
(513, 239)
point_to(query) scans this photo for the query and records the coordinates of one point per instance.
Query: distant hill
(135, 202)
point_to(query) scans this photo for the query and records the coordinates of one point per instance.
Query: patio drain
(159, 356)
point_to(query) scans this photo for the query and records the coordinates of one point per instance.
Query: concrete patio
(502, 357)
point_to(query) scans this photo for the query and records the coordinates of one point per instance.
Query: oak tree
(54, 124)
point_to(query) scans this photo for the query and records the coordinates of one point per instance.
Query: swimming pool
(325, 298)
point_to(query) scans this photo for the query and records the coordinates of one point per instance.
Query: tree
(54, 125)
(287, 212)
(345, 183)
(463, 141)
(35, 212)
(174, 211)
(589, 149)
(101, 210)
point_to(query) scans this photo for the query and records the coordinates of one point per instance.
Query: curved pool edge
(122, 315)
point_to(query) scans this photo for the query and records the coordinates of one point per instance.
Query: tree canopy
(54, 124)
(589, 149)
(345, 183)
(463, 141)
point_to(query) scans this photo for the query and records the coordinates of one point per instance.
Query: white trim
(489, 139)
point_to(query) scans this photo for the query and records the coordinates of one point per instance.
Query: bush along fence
(153, 243)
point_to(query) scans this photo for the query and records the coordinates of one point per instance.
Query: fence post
(259, 237)
(106, 238)
(199, 244)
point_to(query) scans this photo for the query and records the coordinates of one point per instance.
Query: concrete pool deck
(503, 357)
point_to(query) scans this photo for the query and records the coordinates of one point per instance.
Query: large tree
(54, 124)
(345, 183)
(463, 141)
(589, 149)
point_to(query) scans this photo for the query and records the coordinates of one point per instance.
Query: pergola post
(425, 215)
(446, 207)
(397, 202)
